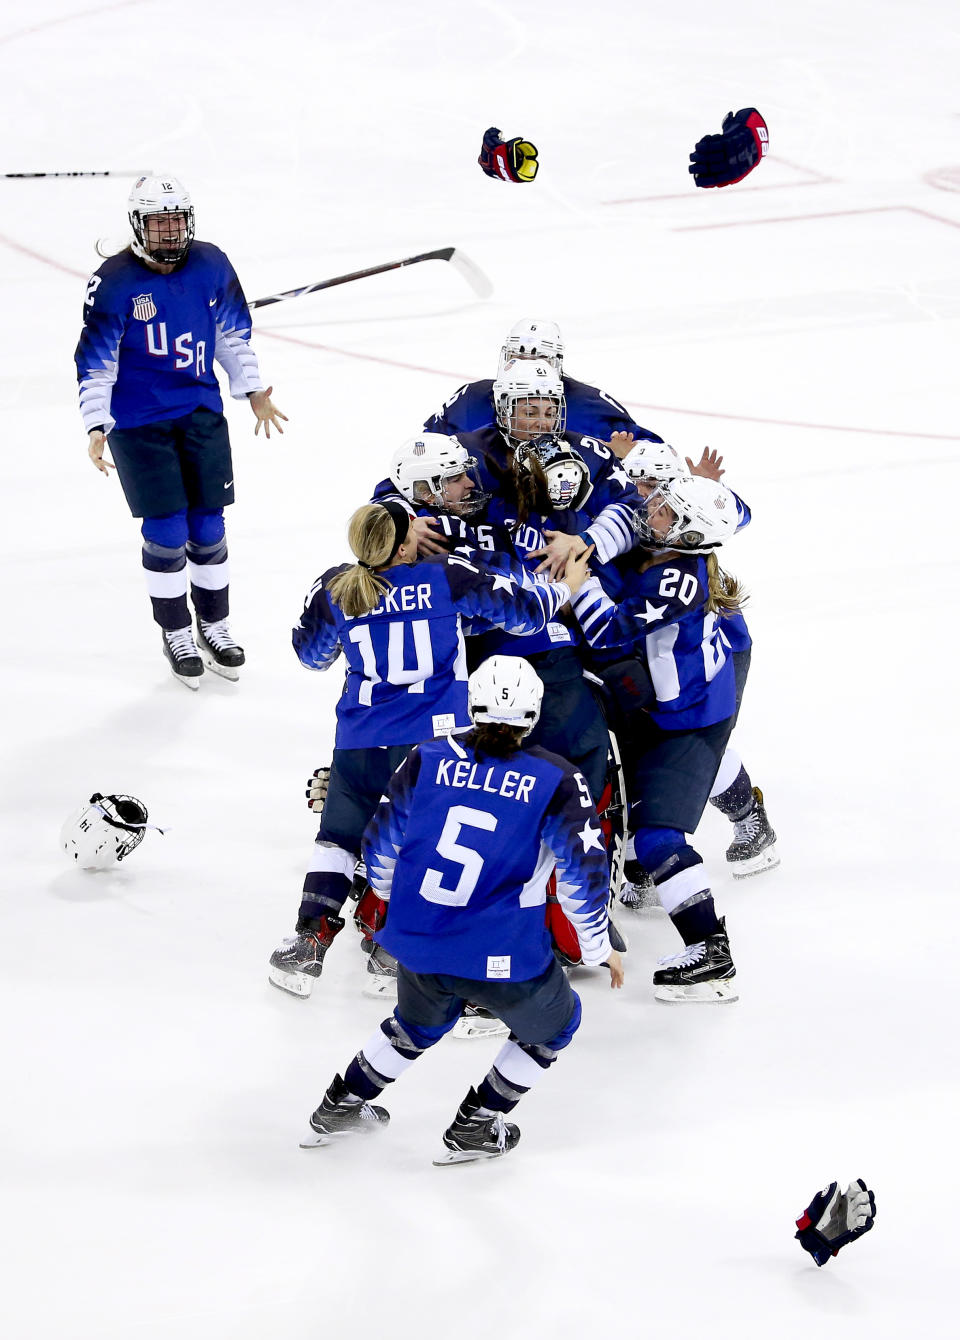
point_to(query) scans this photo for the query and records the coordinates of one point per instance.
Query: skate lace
(746, 829)
(686, 958)
(181, 642)
(497, 1131)
(218, 634)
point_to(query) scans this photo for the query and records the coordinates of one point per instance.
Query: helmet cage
(534, 339)
(427, 464)
(565, 471)
(694, 529)
(104, 831)
(165, 198)
(523, 381)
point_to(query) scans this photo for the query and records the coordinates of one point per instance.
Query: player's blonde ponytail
(725, 593)
(372, 535)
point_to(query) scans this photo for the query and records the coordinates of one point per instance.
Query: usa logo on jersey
(144, 308)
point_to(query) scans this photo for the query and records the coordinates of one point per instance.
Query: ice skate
(297, 964)
(219, 651)
(476, 1022)
(700, 972)
(473, 1137)
(181, 651)
(338, 1116)
(753, 848)
(381, 974)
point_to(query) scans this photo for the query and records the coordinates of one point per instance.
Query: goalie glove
(511, 160)
(721, 160)
(833, 1218)
(316, 791)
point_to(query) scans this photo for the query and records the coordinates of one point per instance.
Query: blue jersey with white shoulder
(406, 662)
(589, 411)
(661, 617)
(149, 340)
(462, 847)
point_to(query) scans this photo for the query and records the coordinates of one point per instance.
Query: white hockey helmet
(507, 690)
(423, 467)
(565, 470)
(705, 515)
(655, 460)
(533, 339)
(160, 195)
(103, 831)
(528, 379)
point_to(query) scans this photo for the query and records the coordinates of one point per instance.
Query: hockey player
(590, 412)
(155, 318)
(462, 846)
(398, 623)
(681, 710)
(753, 848)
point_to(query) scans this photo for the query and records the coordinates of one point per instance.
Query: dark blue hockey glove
(833, 1218)
(721, 160)
(513, 160)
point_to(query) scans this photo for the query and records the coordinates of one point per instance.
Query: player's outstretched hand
(559, 548)
(721, 160)
(510, 160)
(615, 964)
(95, 451)
(708, 466)
(621, 444)
(266, 412)
(833, 1218)
(317, 786)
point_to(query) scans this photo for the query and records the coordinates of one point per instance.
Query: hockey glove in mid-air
(510, 160)
(721, 160)
(316, 791)
(833, 1218)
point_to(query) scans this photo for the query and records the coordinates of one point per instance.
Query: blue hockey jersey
(149, 340)
(406, 661)
(661, 617)
(590, 412)
(463, 847)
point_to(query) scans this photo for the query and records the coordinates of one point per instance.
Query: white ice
(805, 324)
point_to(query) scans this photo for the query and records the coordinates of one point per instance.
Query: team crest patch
(144, 308)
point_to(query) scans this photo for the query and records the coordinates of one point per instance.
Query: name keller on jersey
(513, 785)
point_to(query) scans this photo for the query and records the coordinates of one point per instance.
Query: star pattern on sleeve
(620, 475)
(591, 837)
(504, 582)
(651, 613)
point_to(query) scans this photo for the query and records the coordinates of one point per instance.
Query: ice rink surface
(805, 324)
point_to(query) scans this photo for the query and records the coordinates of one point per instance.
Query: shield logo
(144, 308)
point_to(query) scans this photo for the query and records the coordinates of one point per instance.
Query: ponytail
(372, 535)
(495, 739)
(725, 593)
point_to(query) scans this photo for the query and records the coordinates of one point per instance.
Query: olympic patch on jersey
(144, 308)
(498, 966)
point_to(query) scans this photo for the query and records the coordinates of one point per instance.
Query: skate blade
(191, 682)
(465, 1156)
(315, 1141)
(231, 672)
(480, 1028)
(768, 859)
(698, 993)
(380, 988)
(294, 983)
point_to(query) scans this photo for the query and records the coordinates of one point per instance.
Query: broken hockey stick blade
(471, 272)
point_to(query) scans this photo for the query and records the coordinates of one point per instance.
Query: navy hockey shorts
(358, 779)
(176, 463)
(670, 774)
(571, 723)
(534, 1011)
(741, 668)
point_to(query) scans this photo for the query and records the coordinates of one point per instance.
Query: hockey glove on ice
(833, 1218)
(316, 791)
(513, 160)
(721, 160)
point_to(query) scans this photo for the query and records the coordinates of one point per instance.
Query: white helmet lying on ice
(506, 690)
(533, 339)
(104, 831)
(690, 514)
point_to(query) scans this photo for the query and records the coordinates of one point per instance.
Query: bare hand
(430, 537)
(266, 411)
(621, 444)
(708, 466)
(578, 569)
(615, 964)
(558, 549)
(95, 451)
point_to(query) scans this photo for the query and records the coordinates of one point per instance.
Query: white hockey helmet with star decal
(691, 514)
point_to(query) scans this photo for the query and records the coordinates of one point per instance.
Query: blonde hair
(725, 593)
(370, 534)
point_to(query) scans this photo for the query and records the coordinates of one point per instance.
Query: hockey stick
(472, 273)
(114, 172)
